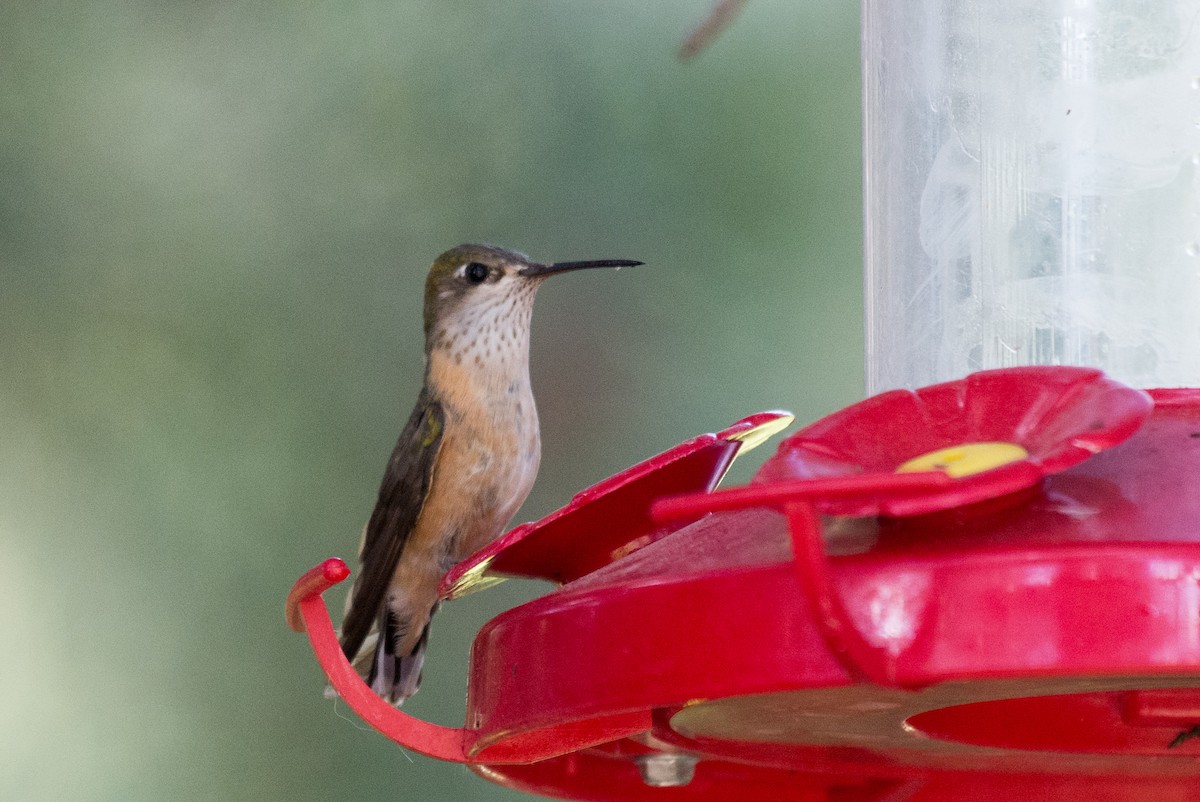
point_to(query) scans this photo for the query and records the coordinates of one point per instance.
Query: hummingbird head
(476, 292)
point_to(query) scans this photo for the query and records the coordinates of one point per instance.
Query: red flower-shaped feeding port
(914, 452)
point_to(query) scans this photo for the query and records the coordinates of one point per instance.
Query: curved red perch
(306, 612)
(314, 582)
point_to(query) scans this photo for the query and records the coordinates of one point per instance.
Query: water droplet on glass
(1192, 249)
(1196, 83)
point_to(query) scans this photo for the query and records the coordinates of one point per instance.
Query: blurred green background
(215, 222)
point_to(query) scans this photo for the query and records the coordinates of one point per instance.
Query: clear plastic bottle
(1032, 188)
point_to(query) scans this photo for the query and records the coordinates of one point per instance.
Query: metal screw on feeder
(667, 769)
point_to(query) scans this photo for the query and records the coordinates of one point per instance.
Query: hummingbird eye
(475, 272)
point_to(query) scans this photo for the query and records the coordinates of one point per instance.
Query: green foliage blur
(215, 221)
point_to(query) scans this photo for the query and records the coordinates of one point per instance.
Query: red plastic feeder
(985, 588)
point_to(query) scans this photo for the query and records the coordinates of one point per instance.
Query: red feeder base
(841, 630)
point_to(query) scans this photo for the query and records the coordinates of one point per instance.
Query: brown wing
(402, 494)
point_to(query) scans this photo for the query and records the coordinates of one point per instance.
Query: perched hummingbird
(464, 463)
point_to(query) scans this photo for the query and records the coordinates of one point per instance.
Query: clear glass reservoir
(1032, 188)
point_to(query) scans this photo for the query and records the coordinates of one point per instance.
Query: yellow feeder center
(965, 459)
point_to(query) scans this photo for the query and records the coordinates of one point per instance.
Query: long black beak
(560, 267)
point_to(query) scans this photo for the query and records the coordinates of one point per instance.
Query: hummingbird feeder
(984, 588)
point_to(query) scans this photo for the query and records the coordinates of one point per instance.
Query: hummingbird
(464, 463)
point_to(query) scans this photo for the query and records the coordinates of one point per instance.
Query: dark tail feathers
(397, 677)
